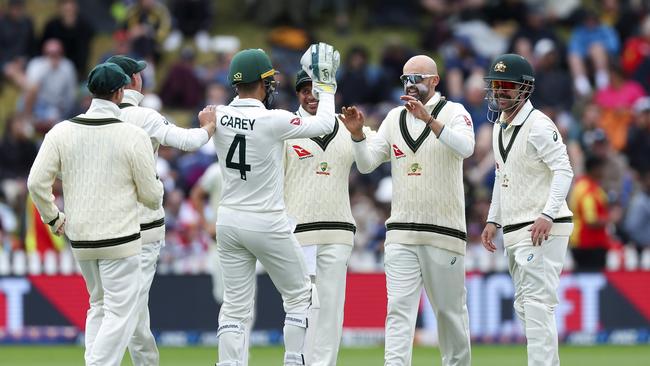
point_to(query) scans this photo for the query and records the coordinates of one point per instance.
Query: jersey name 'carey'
(236, 122)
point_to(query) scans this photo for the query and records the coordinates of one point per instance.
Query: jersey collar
(432, 102)
(302, 112)
(523, 113)
(132, 97)
(246, 102)
(100, 108)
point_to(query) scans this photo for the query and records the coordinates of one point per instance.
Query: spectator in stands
(193, 19)
(636, 49)
(51, 86)
(461, 61)
(17, 149)
(74, 32)
(638, 145)
(474, 101)
(16, 41)
(589, 204)
(552, 83)
(182, 87)
(591, 41)
(616, 101)
(148, 23)
(638, 214)
(534, 29)
(357, 83)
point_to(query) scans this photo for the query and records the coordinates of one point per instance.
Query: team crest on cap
(237, 76)
(500, 67)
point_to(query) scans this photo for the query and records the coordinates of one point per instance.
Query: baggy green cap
(106, 78)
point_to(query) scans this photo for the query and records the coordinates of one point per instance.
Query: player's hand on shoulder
(208, 118)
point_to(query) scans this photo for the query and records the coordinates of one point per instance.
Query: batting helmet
(508, 72)
(250, 65)
(511, 67)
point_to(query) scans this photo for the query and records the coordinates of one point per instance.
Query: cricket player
(106, 167)
(252, 221)
(210, 185)
(426, 141)
(142, 347)
(316, 194)
(533, 176)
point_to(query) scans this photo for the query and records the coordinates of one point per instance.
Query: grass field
(272, 356)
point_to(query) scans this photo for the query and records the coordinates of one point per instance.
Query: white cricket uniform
(252, 221)
(533, 177)
(211, 182)
(106, 167)
(316, 193)
(142, 346)
(426, 234)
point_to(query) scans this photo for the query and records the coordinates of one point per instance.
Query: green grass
(262, 356)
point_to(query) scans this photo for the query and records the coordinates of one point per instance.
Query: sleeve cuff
(51, 223)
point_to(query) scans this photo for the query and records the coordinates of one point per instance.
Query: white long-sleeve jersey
(106, 167)
(250, 146)
(533, 175)
(161, 132)
(428, 205)
(316, 190)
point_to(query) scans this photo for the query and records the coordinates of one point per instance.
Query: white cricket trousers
(113, 286)
(281, 256)
(142, 346)
(535, 272)
(442, 272)
(324, 332)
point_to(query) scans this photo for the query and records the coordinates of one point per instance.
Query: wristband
(546, 217)
(364, 137)
(494, 223)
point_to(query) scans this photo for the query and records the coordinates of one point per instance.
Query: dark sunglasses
(414, 78)
(500, 84)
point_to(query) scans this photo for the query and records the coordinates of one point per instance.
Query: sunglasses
(414, 78)
(500, 84)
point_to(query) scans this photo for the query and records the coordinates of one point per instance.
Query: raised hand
(320, 62)
(353, 120)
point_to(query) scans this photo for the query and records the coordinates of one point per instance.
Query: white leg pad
(297, 320)
(233, 349)
(294, 359)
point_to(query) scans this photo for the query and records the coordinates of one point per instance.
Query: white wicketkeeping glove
(320, 62)
(58, 227)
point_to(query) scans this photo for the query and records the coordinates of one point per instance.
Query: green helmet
(250, 65)
(511, 67)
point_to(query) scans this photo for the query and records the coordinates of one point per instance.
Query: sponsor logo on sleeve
(296, 121)
(468, 121)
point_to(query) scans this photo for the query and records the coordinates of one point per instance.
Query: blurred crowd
(591, 59)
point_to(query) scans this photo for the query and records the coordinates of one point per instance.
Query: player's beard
(418, 91)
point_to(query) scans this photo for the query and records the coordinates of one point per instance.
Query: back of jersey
(250, 156)
(249, 143)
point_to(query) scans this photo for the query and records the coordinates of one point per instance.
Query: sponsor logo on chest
(397, 152)
(302, 152)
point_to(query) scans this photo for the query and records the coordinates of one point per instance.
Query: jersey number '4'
(239, 141)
